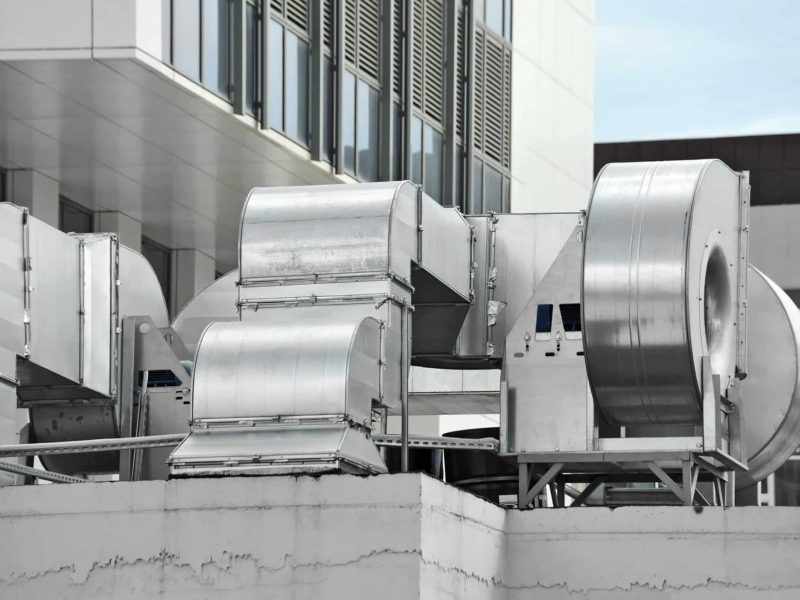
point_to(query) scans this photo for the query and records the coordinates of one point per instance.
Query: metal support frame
(339, 62)
(264, 116)
(679, 472)
(451, 83)
(469, 110)
(386, 120)
(239, 56)
(19, 469)
(405, 360)
(98, 445)
(408, 88)
(317, 116)
(436, 443)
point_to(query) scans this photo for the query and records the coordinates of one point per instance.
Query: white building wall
(389, 537)
(552, 105)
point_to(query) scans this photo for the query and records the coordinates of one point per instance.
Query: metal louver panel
(368, 46)
(397, 46)
(479, 89)
(297, 13)
(434, 59)
(494, 99)
(507, 110)
(276, 6)
(327, 24)
(418, 42)
(350, 31)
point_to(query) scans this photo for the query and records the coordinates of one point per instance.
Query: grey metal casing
(662, 284)
(548, 407)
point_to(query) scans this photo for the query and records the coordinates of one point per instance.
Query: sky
(696, 68)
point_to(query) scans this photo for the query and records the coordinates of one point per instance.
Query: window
(74, 218)
(367, 132)
(216, 44)
(492, 192)
(349, 122)
(197, 40)
(2, 185)
(432, 169)
(296, 96)
(289, 55)
(327, 100)
(160, 259)
(275, 74)
(416, 150)
(496, 14)
(186, 37)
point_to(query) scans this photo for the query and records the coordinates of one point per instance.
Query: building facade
(154, 118)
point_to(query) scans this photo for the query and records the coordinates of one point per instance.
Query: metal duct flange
(660, 278)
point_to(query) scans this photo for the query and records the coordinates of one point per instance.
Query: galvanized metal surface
(660, 280)
(248, 370)
(12, 284)
(548, 407)
(217, 302)
(92, 445)
(19, 469)
(770, 396)
(276, 450)
(140, 293)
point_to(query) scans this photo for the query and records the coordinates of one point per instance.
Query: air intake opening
(718, 311)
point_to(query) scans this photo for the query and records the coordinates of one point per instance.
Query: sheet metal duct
(771, 392)
(662, 273)
(250, 378)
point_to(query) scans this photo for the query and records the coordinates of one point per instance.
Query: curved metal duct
(660, 287)
(251, 377)
(217, 302)
(770, 395)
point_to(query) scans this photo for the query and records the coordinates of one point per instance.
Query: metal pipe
(98, 445)
(404, 359)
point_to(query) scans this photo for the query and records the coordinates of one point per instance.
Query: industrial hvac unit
(635, 342)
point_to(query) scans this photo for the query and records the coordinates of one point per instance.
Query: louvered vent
(417, 51)
(434, 59)
(297, 13)
(507, 110)
(327, 24)
(397, 47)
(493, 102)
(479, 89)
(460, 53)
(276, 6)
(350, 31)
(369, 37)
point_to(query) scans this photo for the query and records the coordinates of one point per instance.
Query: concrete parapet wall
(391, 536)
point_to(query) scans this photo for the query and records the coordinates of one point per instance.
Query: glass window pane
(159, 258)
(494, 15)
(416, 150)
(508, 15)
(349, 122)
(493, 200)
(433, 163)
(296, 88)
(275, 50)
(73, 218)
(477, 185)
(251, 60)
(367, 143)
(186, 37)
(327, 107)
(506, 195)
(216, 45)
(166, 31)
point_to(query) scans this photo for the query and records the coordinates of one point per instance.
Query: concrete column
(35, 191)
(192, 271)
(127, 228)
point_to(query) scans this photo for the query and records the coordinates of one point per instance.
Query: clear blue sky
(696, 68)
